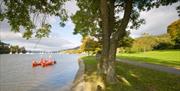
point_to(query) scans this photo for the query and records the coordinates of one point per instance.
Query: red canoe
(43, 63)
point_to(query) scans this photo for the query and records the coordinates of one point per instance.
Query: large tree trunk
(119, 34)
(109, 45)
(102, 66)
(111, 74)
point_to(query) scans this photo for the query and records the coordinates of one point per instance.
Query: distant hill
(75, 48)
(71, 50)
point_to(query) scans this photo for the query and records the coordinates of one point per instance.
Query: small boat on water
(43, 62)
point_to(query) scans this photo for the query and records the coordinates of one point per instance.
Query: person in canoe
(44, 62)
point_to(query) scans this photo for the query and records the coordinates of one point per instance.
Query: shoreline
(84, 82)
(79, 83)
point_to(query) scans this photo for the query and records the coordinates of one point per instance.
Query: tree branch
(127, 12)
(119, 5)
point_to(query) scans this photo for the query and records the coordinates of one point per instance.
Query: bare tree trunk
(119, 34)
(102, 66)
(109, 45)
(111, 74)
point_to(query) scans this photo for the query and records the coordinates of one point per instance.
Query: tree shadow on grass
(134, 78)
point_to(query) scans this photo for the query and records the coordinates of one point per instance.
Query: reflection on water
(17, 74)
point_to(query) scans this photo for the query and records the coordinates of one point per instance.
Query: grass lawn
(133, 78)
(166, 57)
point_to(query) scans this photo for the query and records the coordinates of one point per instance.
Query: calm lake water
(17, 74)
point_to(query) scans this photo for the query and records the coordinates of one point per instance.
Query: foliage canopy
(24, 13)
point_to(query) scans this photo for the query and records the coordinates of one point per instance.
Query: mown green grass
(166, 57)
(89, 65)
(133, 78)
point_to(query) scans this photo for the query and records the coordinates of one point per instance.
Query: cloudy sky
(157, 21)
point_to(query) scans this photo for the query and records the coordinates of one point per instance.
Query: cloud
(46, 44)
(54, 42)
(157, 20)
(71, 7)
(60, 38)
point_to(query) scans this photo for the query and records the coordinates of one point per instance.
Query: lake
(17, 73)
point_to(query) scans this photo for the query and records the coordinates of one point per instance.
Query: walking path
(152, 66)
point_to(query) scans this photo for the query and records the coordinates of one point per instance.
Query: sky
(60, 38)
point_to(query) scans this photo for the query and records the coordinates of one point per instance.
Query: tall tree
(111, 17)
(174, 31)
(109, 20)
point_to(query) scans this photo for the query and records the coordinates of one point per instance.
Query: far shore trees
(7, 48)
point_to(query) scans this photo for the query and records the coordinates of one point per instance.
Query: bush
(149, 42)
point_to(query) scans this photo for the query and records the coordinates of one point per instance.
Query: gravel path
(152, 66)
